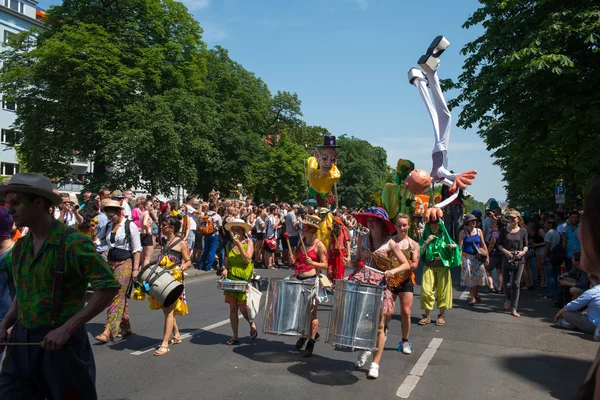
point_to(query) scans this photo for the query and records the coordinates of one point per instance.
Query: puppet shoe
(429, 64)
(415, 73)
(438, 46)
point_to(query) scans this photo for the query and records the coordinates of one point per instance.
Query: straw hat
(31, 183)
(106, 203)
(238, 222)
(379, 213)
(117, 194)
(312, 221)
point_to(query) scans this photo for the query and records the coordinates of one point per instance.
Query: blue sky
(348, 60)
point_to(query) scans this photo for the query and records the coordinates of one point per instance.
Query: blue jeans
(208, 254)
(551, 279)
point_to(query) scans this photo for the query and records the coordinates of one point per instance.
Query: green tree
(364, 171)
(75, 82)
(529, 85)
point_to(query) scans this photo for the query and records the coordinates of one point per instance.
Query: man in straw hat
(50, 315)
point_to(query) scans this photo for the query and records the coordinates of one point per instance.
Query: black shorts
(405, 287)
(259, 236)
(293, 242)
(146, 239)
(495, 262)
(199, 241)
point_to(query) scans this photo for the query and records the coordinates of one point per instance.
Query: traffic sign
(560, 199)
(559, 190)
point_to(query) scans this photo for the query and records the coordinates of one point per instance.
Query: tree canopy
(530, 84)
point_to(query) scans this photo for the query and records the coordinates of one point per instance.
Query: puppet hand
(463, 180)
(432, 214)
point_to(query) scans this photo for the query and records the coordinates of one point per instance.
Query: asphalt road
(481, 352)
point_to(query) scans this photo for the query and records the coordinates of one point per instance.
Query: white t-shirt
(126, 210)
(552, 237)
(191, 218)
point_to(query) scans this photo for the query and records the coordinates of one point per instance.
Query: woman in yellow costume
(238, 267)
(175, 257)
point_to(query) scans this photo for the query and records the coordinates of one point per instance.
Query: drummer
(238, 267)
(311, 256)
(378, 240)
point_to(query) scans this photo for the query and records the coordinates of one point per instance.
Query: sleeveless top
(471, 243)
(301, 265)
(366, 275)
(239, 270)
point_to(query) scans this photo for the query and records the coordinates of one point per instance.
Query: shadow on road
(561, 376)
(317, 369)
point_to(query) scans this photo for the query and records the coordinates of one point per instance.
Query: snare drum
(355, 317)
(287, 307)
(232, 286)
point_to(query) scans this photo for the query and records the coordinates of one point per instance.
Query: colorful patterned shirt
(34, 275)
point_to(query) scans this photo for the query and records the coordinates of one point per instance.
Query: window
(9, 169)
(22, 8)
(14, 5)
(7, 136)
(9, 105)
(7, 34)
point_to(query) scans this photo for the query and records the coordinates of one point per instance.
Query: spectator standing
(68, 214)
(290, 227)
(210, 226)
(127, 203)
(191, 213)
(473, 269)
(495, 257)
(514, 245)
(539, 245)
(104, 193)
(63, 366)
(259, 232)
(571, 238)
(552, 239)
(271, 236)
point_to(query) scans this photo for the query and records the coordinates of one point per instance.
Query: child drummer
(310, 257)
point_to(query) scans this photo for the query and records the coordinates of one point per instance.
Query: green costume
(238, 270)
(438, 247)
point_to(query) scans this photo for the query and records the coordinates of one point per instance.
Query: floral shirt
(34, 275)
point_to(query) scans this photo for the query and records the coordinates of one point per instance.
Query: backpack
(207, 226)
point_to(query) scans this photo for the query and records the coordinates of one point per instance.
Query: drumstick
(20, 344)
(287, 239)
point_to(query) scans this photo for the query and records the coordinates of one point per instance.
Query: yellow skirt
(181, 307)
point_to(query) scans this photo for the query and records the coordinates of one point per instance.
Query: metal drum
(355, 316)
(232, 286)
(287, 307)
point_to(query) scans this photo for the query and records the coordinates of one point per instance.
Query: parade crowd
(103, 245)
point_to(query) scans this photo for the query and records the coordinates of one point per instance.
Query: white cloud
(212, 32)
(362, 4)
(195, 4)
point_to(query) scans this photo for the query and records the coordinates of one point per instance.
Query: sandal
(473, 302)
(126, 332)
(175, 340)
(425, 320)
(232, 342)
(506, 305)
(441, 321)
(162, 350)
(478, 299)
(103, 337)
(253, 333)
(514, 313)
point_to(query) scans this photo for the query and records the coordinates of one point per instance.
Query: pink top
(136, 217)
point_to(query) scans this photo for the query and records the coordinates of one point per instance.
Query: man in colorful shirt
(62, 366)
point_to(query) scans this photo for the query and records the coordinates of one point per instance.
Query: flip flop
(232, 342)
(103, 337)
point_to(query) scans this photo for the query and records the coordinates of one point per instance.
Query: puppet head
(403, 168)
(327, 154)
(418, 181)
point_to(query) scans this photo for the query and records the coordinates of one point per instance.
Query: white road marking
(464, 295)
(410, 382)
(186, 335)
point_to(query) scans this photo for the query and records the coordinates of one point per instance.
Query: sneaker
(373, 371)
(405, 347)
(363, 357)
(300, 343)
(385, 331)
(564, 324)
(310, 346)
(544, 297)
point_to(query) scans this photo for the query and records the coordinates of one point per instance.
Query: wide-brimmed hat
(328, 141)
(469, 218)
(312, 221)
(238, 222)
(28, 182)
(106, 203)
(117, 194)
(376, 212)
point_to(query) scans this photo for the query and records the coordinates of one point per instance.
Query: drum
(287, 307)
(232, 286)
(163, 287)
(355, 316)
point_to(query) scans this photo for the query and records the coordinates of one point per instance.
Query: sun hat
(6, 223)
(107, 203)
(238, 222)
(469, 218)
(117, 194)
(379, 213)
(312, 221)
(28, 182)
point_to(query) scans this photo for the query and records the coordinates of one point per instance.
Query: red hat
(376, 212)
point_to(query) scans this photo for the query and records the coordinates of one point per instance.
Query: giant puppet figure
(322, 171)
(419, 181)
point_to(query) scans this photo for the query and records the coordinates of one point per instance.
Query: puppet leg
(416, 78)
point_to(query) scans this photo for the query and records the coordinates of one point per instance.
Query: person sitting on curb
(569, 316)
(575, 280)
